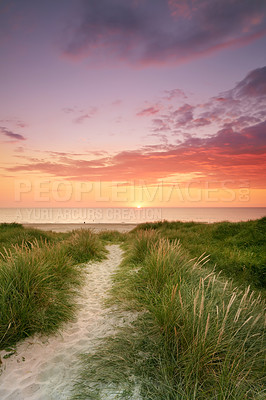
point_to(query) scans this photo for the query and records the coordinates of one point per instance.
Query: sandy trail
(43, 368)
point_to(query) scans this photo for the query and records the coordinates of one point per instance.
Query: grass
(113, 237)
(83, 245)
(236, 249)
(196, 336)
(39, 280)
(15, 234)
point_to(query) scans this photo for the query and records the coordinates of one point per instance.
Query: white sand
(43, 368)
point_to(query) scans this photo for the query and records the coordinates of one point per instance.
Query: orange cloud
(228, 155)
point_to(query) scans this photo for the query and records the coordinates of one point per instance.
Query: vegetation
(112, 237)
(39, 278)
(195, 337)
(15, 234)
(196, 328)
(83, 245)
(236, 249)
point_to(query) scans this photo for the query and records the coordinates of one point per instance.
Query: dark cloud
(201, 122)
(160, 125)
(13, 136)
(253, 85)
(251, 140)
(183, 115)
(238, 108)
(150, 31)
(244, 104)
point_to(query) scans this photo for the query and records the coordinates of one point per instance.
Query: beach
(93, 227)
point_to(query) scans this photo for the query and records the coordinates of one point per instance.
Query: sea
(129, 215)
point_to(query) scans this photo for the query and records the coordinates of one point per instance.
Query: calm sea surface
(128, 215)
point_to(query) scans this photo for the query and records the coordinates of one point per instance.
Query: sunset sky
(132, 102)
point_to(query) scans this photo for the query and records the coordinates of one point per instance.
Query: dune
(44, 368)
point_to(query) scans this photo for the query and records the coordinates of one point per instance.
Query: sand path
(43, 368)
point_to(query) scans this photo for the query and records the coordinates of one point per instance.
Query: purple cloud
(146, 32)
(253, 85)
(251, 140)
(14, 136)
(242, 106)
(183, 115)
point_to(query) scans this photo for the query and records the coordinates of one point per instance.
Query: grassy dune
(236, 249)
(39, 277)
(209, 335)
(197, 336)
(199, 326)
(15, 235)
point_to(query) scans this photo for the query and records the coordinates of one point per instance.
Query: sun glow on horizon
(133, 124)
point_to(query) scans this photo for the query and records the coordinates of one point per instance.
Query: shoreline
(95, 227)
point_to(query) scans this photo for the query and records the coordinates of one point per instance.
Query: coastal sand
(43, 368)
(94, 227)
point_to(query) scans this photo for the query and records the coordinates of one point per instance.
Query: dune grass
(15, 234)
(83, 245)
(39, 280)
(236, 249)
(196, 336)
(114, 237)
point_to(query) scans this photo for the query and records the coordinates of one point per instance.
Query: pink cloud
(81, 115)
(148, 111)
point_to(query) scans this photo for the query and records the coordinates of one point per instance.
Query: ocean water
(129, 215)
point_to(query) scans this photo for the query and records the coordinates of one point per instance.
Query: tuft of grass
(37, 290)
(112, 237)
(83, 246)
(196, 336)
(39, 279)
(140, 245)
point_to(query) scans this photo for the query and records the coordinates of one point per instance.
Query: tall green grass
(39, 282)
(83, 245)
(237, 249)
(15, 234)
(196, 337)
(112, 237)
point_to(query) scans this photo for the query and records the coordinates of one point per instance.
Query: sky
(126, 103)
